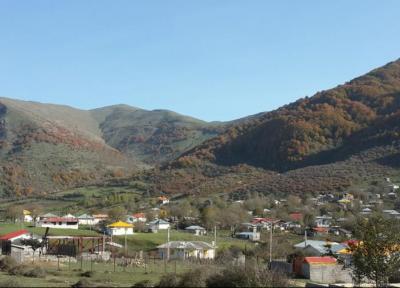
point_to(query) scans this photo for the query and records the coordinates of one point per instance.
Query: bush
(252, 277)
(7, 263)
(169, 280)
(195, 278)
(83, 283)
(143, 284)
(87, 274)
(36, 272)
(10, 283)
(27, 271)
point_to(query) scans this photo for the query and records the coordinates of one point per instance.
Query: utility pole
(126, 246)
(305, 237)
(168, 245)
(215, 236)
(270, 244)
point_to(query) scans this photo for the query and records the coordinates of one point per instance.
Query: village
(307, 247)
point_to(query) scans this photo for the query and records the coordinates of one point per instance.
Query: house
(47, 215)
(265, 222)
(163, 200)
(69, 215)
(186, 250)
(391, 214)
(9, 240)
(196, 230)
(99, 218)
(315, 265)
(137, 217)
(316, 247)
(158, 224)
(16, 235)
(58, 222)
(86, 219)
(323, 221)
(296, 216)
(338, 231)
(291, 225)
(27, 216)
(320, 231)
(366, 211)
(119, 228)
(252, 236)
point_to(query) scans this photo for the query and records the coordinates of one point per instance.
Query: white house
(99, 218)
(158, 224)
(86, 219)
(323, 221)
(137, 217)
(187, 249)
(27, 216)
(58, 222)
(119, 228)
(252, 236)
(163, 200)
(16, 235)
(196, 230)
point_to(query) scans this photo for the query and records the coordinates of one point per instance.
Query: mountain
(297, 134)
(152, 137)
(328, 142)
(46, 147)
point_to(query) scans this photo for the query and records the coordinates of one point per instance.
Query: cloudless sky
(211, 59)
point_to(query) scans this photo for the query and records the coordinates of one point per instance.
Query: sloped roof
(139, 215)
(195, 227)
(320, 260)
(120, 224)
(60, 219)
(48, 215)
(14, 234)
(158, 222)
(189, 245)
(320, 246)
(85, 216)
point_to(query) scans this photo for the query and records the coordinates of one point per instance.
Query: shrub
(83, 283)
(195, 278)
(27, 271)
(143, 284)
(7, 263)
(252, 277)
(87, 274)
(36, 272)
(169, 280)
(10, 283)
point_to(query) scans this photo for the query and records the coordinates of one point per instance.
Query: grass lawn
(10, 227)
(103, 274)
(149, 241)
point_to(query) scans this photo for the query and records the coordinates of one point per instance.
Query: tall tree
(377, 254)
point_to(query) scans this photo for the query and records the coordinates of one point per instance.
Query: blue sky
(215, 60)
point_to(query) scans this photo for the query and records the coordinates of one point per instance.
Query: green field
(103, 274)
(10, 227)
(138, 241)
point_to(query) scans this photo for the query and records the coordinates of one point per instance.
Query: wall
(326, 273)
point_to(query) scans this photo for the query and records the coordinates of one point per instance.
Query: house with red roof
(296, 216)
(58, 222)
(16, 235)
(137, 217)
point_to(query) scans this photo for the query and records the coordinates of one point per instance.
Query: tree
(376, 256)
(14, 213)
(117, 213)
(34, 244)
